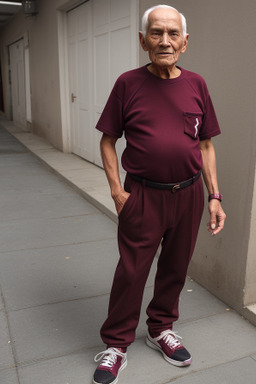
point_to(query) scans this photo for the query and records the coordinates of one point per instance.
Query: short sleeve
(111, 120)
(210, 126)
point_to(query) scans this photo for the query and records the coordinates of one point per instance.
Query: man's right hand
(120, 200)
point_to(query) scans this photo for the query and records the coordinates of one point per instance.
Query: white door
(80, 80)
(17, 76)
(102, 40)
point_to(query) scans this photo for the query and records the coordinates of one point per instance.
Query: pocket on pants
(130, 202)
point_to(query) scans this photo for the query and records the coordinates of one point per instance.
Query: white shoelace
(109, 357)
(170, 337)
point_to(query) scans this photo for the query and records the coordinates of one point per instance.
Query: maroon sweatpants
(149, 217)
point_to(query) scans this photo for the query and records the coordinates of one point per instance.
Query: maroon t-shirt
(163, 121)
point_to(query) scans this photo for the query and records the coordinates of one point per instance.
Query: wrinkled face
(164, 40)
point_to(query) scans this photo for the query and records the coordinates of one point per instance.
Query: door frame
(62, 25)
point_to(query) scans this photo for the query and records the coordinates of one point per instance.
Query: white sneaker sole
(120, 369)
(168, 359)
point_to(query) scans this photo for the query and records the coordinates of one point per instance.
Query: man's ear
(142, 41)
(185, 44)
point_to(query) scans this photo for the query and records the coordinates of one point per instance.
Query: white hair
(145, 19)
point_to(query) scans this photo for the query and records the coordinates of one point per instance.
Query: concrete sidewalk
(57, 257)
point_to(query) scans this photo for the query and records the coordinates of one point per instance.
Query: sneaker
(112, 362)
(173, 351)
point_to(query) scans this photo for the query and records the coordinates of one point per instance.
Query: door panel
(119, 9)
(18, 93)
(121, 56)
(101, 58)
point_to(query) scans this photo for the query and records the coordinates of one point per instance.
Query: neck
(165, 73)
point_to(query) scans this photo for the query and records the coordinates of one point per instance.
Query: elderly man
(168, 120)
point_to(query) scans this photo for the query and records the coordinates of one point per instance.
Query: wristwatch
(217, 196)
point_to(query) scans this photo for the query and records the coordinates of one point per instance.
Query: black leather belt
(173, 187)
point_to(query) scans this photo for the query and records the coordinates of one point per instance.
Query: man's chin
(165, 63)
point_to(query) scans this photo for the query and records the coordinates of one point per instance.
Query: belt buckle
(175, 188)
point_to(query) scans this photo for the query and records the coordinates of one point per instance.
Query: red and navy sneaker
(173, 351)
(113, 361)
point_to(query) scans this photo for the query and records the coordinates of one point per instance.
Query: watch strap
(217, 196)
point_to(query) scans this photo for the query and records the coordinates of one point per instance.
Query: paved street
(57, 258)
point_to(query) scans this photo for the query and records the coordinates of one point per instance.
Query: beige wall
(221, 50)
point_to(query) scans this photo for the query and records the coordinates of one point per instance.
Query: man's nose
(165, 41)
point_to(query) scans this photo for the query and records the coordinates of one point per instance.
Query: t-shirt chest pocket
(192, 123)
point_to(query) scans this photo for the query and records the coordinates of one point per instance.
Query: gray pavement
(57, 257)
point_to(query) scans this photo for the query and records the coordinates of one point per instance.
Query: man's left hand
(217, 217)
